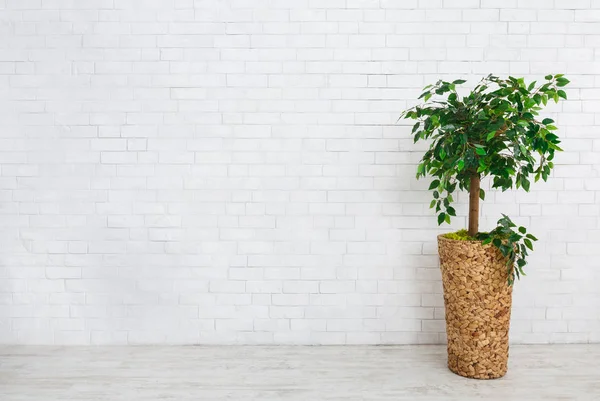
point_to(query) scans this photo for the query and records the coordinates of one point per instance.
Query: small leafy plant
(512, 244)
(492, 131)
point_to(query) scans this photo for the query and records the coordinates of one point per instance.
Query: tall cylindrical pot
(478, 301)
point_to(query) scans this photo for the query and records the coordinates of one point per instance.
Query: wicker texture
(478, 301)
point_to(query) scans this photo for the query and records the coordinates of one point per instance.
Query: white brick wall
(231, 171)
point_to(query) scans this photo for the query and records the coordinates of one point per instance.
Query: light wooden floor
(414, 373)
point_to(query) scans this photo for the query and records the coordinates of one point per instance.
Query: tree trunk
(474, 205)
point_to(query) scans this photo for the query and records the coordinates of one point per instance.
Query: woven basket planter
(478, 300)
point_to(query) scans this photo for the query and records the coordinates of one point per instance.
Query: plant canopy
(493, 131)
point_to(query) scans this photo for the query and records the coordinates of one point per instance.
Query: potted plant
(493, 131)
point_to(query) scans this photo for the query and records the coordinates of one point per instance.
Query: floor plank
(415, 373)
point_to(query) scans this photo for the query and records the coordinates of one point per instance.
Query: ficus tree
(493, 131)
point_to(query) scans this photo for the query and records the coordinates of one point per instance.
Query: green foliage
(514, 245)
(493, 131)
(460, 235)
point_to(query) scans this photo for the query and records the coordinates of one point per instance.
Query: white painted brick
(250, 170)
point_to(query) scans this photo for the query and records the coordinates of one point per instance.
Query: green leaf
(482, 166)
(528, 244)
(432, 204)
(505, 249)
(434, 184)
(562, 93)
(547, 121)
(522, 230)
(562, 82)
(514, 238)
(441, 218)
(531, 237)
(548, 77)
(553, 146)
(481, 194)
(480, 151)
(490, 135)
(459, 82)
(461, 165)
(451, 211)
